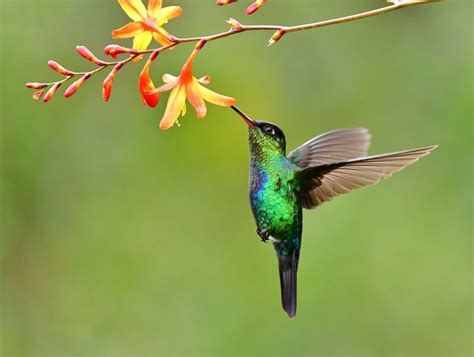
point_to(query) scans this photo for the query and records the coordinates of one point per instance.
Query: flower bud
(107, 86)
(88, 55)
(146, 86)
(275, 37)
(255, 6)
(37, 95)
(60, 69)
(114, 50)
(234, 24)
(34, 85)
(75, 86)
(225, 2)
(49, 94)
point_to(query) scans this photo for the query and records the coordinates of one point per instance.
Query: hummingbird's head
(263, 136)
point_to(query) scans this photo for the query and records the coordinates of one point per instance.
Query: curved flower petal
(168, 86)
(195, 98)
(154, 7)
(216, 98)
(133, 8)
(162, 37)
(141, 41)
(175, 105)
(168, 78)
(168, 13)
(129, 30)
(205, 79)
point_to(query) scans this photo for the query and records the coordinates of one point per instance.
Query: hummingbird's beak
(249, 121)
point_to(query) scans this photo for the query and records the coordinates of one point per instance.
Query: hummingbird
(324, 167)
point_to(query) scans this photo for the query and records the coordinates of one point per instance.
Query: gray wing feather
(321, 184)
(333, 146)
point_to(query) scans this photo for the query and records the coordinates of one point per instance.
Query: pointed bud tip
(255, 6)
(76, 85)
(55, 66)
(236, 25)
(50, 93)
(88, 55)
(107, 86)
(275, 37)
(35, 85)
(114, 50)
(37, 95)
(225, 2)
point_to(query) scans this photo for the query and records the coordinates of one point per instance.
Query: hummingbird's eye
(269, 130)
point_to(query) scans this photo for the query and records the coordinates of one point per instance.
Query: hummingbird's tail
(288, 267)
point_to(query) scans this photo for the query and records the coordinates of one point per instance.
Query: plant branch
(237, 27)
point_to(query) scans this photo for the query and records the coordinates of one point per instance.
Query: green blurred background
(118, 238)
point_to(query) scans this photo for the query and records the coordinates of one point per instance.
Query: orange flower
(188, 86)
(147, 22)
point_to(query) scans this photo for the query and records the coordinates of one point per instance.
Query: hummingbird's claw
(263, 234)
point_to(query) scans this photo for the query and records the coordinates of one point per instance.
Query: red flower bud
(37, 95)
(149, 96)
(255, 6)
(60, 69)
(49, 94)
(225, 2)
(276, 37)
(34, 85)
(114, 50)
(88, 55)
(75, 86)
(107, 86)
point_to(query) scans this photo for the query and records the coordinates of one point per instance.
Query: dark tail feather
(288, 266)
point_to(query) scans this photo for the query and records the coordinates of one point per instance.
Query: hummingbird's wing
(321, 183)
(333, 146)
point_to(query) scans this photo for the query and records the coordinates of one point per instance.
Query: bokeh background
(121, 239)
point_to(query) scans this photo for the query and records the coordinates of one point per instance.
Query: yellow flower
(188, 86)
(147, 23)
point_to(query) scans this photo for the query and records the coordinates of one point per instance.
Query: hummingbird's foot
(264, 234)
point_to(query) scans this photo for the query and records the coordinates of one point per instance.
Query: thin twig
(243, 28)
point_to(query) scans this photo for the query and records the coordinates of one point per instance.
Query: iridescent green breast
(275, 205)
